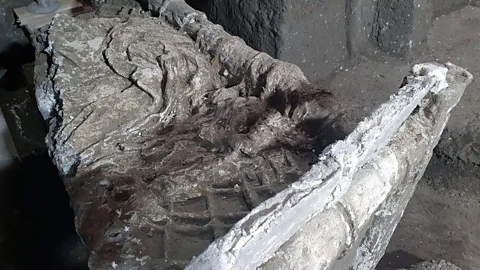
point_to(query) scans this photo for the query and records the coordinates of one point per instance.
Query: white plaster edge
(255, 238)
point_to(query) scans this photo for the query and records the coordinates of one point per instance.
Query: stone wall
(319, 36)
(401, 25)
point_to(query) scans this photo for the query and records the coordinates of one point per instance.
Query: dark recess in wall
(12, 59)
(39, 227)
(201, 5)
(15, 49)
(36, 222)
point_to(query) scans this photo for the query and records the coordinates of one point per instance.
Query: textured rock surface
(311, 34)
(164, 141)
(401, 25)
(455, 36)
(434, 265)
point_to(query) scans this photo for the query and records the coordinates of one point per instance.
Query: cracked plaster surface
(154, 134)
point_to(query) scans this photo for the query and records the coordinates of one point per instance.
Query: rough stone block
(440, 265)
(256, 22)
(360, 15)
(400, 26)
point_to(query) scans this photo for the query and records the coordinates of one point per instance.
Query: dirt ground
(441, 221)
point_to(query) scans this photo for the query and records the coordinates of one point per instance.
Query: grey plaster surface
(445, 200)
(191, 154)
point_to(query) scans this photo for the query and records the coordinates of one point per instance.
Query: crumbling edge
(355, 233)
(255, 238)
